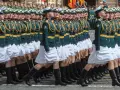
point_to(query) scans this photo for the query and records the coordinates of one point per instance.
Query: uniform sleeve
(97, 35)
(45, 39)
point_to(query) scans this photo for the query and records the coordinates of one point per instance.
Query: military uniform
(48, 52)
(117, 39)
(58, 37)
(92, 19)
(71, 51)
(24, 35)
(12, 49)
(3, 51)
(65, 54)
(112, 39)
(80, 39)
(104, 43)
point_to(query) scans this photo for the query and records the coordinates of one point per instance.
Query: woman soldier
(48, 52)
(101, 53)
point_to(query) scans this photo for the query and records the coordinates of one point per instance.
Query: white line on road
(91, 86)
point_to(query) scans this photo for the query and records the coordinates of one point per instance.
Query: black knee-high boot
(9, 76)
(27, 77)
(63, 76)
(72, 74)
(119, 68)
(58, 78)
(30, 63)
(37, 75)
(117, 73)
(22, 69)
(106, 69)
(2, 69)
(75, 70)
(94, 74)
(79, 67)
(103, 70)
(89, 77)
(84, 62)
(68, 74)
(51, 70)
(97, 72)
(81, 81)
(14, 76)
(114, 78)
(46, 73)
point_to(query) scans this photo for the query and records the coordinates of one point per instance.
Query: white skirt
(118, 50)
(71, 50)
(66, 51)
(114, 53)
(36, 45)
(82, 45)
(100, 57)
(85, 44)
(31, 47)
(79, 45)
(13, 51)
(3, 55)
(89, 43)
(44, 57)
(22, 50)
(26, 48)
(76, 49)
(62, 53)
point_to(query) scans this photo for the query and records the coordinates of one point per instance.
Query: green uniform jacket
(2, 36)
(97, 34)
(57, 35)
(48, 39)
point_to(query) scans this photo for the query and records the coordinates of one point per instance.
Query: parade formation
(38, 41)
